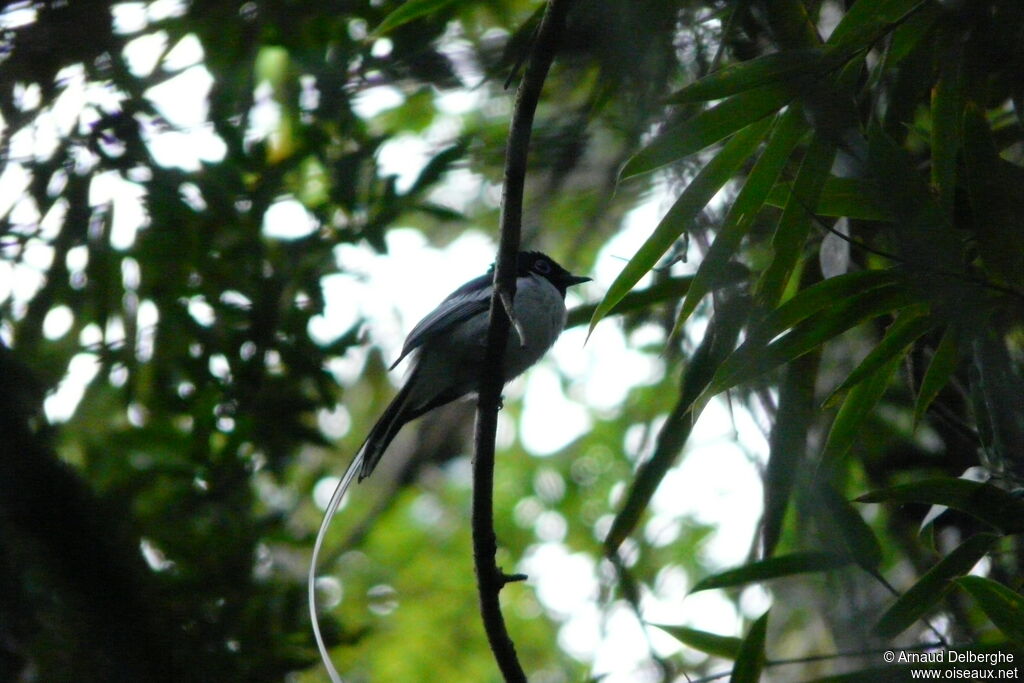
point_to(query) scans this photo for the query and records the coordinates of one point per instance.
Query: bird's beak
(575, 280)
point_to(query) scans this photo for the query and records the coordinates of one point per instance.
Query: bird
(447, 350)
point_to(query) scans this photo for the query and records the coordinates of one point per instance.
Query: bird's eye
(542, 266)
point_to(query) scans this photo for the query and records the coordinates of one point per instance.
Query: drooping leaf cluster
(846, 175)
(876, 159)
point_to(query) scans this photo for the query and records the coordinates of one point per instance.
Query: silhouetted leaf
(996, 200)
(856, 408)
(781, 142)
(727, 647)
(1003, 606)
(718, 341)
(679, 218)
(751, 658)
(753, 358)
(853, 532)
(868, 19)
(851, 197)
(901, 335)
(795, 222)
(940, 370)
(983, 501)
(933, 586)
(788, 444)
(683, 138)
(947, 108)
(774, 568)
(408, 11)
(743, 76)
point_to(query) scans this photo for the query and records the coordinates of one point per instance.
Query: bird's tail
(332, 508)
(366, 459)
(386, 429)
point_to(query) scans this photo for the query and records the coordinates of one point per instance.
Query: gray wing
(470, 299)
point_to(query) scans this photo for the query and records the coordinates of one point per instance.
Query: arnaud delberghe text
(955, 657)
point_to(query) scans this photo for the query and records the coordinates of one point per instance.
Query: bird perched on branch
(448, 348)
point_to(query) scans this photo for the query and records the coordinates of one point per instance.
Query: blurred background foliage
(842, 260)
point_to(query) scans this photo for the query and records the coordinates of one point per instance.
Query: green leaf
(669, 289)
(856, 408)
(751, 658)
(868, 20)
(784, 137)
(994, 186)
(683, 138)
(988, 503)
(406, 12)
(727, 647)
(743, 76)
(788, 444)
(901, 335)
(718, 341)
(933, 586)
(940, 369)
(753, 359)
(795, 222)
(774, 568)
(791, 25)
(820, 296)
(440, 164)
(907, 36)
(851, 197)
(1000, 604)
(855, 535)
(677, 221)
(947, 108)
(932, 251)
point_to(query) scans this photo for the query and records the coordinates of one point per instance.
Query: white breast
(540, 310)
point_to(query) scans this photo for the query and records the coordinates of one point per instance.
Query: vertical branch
(490, 578)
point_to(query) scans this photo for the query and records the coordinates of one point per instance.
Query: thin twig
(490, 578)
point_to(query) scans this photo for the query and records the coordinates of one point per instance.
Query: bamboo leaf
(683, 138)
(901, 335)
(795, 222)
(1000, 604)
(766, 70)
(988, 503)
(821, 296)
(867, 20)
(691, 202)
(947, 108)
(940, 370)
(996, 202)
(851, 197)
(718, 341)
(856, 408)
(406, 12)
(781, 143)
(753, 358)
(751, 658)
(788, 444)
(856, 536)
(774, 568)
(933, 586)
(669, 289)
(727, 647)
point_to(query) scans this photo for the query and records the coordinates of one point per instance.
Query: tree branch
(490, 578)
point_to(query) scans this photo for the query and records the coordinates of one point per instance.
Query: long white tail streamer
(332, 508)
